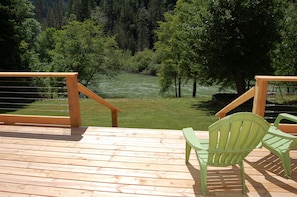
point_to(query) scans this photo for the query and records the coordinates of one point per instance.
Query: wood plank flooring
(120, 162)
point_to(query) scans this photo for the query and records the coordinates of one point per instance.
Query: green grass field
(157, 113)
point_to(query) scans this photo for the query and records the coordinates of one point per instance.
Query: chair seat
(276, 139)
(280, 143)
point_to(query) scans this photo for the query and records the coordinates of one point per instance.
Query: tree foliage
(179, 38)
(78, 47)
(239, 36)
(218, 41)
(17, 34)
(144, 62)
(132, 22)
(284, 57)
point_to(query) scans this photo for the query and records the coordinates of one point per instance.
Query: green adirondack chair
(280, 143)
(231, 139)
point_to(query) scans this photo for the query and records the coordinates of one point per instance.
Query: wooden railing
(259, 92)
(73, 89)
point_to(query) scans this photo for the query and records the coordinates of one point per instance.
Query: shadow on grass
(212, 107)
(207, 106)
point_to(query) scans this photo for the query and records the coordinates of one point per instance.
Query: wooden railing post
(260, 96)
(73, 101)
(114, 118)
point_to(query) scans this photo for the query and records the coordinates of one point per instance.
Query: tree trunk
(194, 88)
(240, 83)
(175, 86)
(179, 87)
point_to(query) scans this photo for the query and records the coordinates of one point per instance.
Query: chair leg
(286, 163)
(188, 152)
(203, 175)
(242, 177)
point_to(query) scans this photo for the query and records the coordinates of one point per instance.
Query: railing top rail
(38, 74)
(276, 78)
(235, 103)
(95, 97)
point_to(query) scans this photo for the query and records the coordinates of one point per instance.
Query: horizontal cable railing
(37, 93)
(262, 94)
(32, 98)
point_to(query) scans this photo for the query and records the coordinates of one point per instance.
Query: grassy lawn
(141, 106)
(166, 113)
(155, 113)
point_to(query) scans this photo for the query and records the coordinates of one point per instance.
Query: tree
(156, 10)
(15, 16)
(144, 62)
(284, 57)
(79, 47)
(239, 36)
(56, 14)
(143, 29)
(179, 43)
(133, 21)
(169, 57)
(30, 29)
(190, 15)
(126, 25)
(44, 45)
(81, 8)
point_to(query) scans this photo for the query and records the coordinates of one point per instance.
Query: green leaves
(179, 44)
(238, 39)
(220, 41)
(284, 57)
(79, 47)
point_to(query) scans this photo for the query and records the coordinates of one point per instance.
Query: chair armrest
(192, 140)
(277, 132)
(284, 116)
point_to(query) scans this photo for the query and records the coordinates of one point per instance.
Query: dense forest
(207, 42)
(132, 21)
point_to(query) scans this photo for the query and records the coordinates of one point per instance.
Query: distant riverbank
(130, 85)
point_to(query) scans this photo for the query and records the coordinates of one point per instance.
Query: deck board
(48, 161)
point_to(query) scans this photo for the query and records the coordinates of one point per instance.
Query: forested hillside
(132, 21)
(207, 42)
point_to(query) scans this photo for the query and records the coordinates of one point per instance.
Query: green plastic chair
(231, 139)
(280, 143)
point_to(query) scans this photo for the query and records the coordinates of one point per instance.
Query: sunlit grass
(154, 113)
(49, 107)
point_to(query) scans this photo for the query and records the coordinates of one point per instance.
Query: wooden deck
(45, 161)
